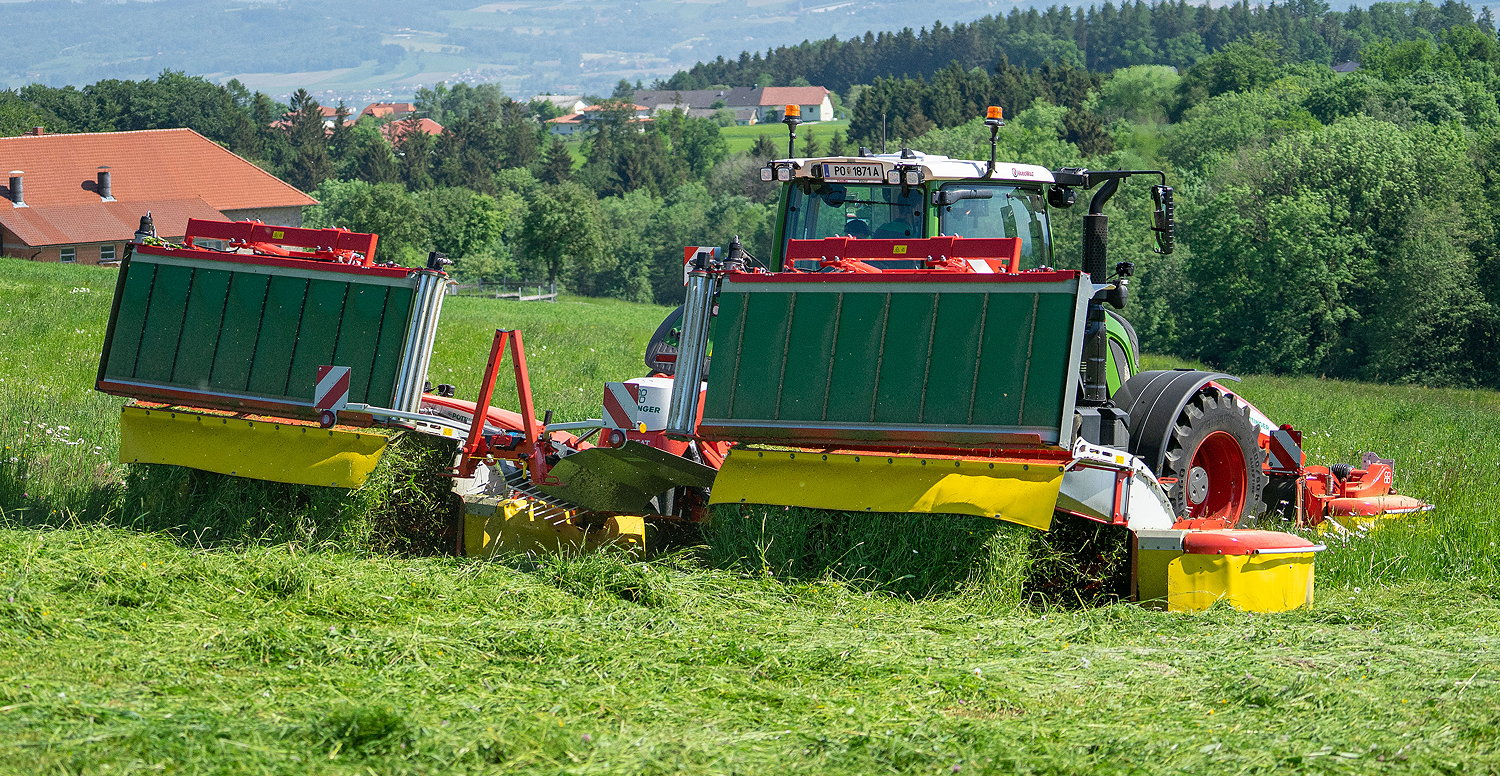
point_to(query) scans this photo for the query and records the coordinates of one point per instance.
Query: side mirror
(834, 196)
(945, 197)
(1164, 220)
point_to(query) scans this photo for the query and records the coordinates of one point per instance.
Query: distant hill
(375, 49)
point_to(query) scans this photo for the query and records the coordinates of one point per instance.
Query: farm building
(640, 115)
(750, 104)
(80, 197)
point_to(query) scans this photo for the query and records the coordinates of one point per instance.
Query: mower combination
(907, 346)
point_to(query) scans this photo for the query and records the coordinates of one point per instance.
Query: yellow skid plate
(257, 449)
(1358, 525)
(1014, 491)
(1250, 583)
(494, 525)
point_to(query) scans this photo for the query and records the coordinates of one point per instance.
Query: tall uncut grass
(1446, 444)
(61, 436)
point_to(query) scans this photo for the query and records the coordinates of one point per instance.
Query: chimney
(17, 189)
(105, 192)
(37, 131)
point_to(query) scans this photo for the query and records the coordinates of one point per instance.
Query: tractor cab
(909, 196)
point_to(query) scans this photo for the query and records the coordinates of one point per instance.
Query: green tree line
(1099, 38)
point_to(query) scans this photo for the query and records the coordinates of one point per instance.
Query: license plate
(852, 172)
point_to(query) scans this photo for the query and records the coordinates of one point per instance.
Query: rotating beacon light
(791, 117)
(994, 118)
(782, 171)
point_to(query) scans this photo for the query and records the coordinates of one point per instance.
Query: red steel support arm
(532, 447)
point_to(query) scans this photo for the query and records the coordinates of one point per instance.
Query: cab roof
(934, 167)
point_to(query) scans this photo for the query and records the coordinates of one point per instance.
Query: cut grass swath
(406, 507)
(924, 555)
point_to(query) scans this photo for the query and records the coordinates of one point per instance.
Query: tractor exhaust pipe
(1096, 264)
(692, 349)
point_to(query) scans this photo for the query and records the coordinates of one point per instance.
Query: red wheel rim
(1217, 479)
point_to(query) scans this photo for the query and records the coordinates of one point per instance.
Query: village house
(396, 132)
(388, 111)
(568, 104)
(574, 123)
(330, 116)
(329, 113)
(80, 197)
(751, 104)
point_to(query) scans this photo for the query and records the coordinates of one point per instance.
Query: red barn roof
(175, 173)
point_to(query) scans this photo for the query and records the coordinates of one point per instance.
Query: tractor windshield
(816, 209)
(1010, 212)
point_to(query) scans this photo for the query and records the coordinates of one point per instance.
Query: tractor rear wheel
(1214, 455)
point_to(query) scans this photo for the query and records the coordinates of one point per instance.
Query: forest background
(1331, 223)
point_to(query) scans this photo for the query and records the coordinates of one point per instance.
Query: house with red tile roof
(395, 132)
(80, 197)
(570, 124)
(389, 110)
(329, 113)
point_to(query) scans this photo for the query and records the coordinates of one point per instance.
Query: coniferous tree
(370, 157)
(764, 148)
(557, 163)
(308, 140)
(414, 151)
(810, 144)
(838, 145)
(339, 137)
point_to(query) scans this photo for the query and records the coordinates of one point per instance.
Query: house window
(67, 255)
(106, 253)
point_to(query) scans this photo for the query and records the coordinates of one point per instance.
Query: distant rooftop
(175, 173)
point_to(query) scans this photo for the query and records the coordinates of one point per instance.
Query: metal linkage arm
(531, 448)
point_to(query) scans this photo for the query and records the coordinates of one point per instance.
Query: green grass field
(742, 138)
(130, 651)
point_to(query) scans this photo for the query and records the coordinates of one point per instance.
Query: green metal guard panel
(940, 361)
(224, 334)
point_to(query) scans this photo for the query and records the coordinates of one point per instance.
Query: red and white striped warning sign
(619, 406)
(692, 252)
(332, 392)
(1285, 450)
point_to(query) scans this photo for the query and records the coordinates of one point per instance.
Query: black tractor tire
(1213, 452)
(664, 342)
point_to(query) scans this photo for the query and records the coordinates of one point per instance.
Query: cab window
(1011, 212)
(816, 210)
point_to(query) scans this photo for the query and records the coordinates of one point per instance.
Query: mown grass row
(123, 652)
